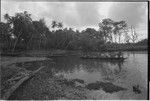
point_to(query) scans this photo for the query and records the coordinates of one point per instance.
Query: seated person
(120, 55)
(112, 55)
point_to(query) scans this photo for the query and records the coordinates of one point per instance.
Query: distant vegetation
(143, 42)
(20, 32)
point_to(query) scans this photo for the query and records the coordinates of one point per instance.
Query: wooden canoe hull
(103, 58)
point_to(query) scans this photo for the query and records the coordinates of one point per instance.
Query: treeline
(143, 42)
(20, 32)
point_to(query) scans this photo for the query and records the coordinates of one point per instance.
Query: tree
(93, 33)
(134, 35)
(143, 42)
(41, 33)
(105, 28)
(5, 34)
(119, 28)
(22, 27)
(54, 24)
(5, 29)
(60, 25)
(126, 36)
(122, 28)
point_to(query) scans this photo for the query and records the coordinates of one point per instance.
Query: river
(131, 72)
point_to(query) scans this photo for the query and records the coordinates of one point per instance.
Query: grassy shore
(45, 85)
(53, 52)
(42, 86)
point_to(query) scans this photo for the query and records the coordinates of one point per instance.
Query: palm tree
(54, 24)
(60, 25)
(8, 18)
(22, 24)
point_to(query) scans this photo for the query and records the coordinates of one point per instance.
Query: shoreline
(44, 85)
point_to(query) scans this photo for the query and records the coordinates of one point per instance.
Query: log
(13, 88)
(19, 75)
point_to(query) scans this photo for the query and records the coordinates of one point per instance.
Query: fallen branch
(13, 88)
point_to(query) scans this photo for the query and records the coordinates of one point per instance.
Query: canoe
(49, 56)
(104, 58)
(10, 54)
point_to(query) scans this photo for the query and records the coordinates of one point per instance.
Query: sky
(81, 15)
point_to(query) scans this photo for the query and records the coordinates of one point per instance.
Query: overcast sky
(83, 14)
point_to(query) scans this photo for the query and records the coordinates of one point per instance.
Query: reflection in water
(89, 70)
(125, 74)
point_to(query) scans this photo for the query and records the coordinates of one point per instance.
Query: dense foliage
(21, 32)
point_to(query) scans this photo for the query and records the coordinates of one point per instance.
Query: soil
(45, 86)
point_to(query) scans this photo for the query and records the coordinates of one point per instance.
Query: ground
(45, 86)
(42, 86)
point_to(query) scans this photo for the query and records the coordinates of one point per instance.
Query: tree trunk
(21, 81)
(115, 38)
(119, 38)
(16, 43)
(29, 41)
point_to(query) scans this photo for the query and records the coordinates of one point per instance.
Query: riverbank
(42, 86)
(59, 52)
(45, 85)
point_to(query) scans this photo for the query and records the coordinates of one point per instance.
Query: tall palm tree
(60, 25)
(22, 24)
(54, 24)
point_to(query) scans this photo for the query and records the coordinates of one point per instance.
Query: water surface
(133, 71)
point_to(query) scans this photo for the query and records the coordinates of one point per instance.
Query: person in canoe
(112, 55)
(120, 55)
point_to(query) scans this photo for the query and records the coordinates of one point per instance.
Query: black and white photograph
(74, 50)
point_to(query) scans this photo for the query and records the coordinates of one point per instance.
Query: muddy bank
(45, 86)
(8, 67)
(10, 60)
(42, 86)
